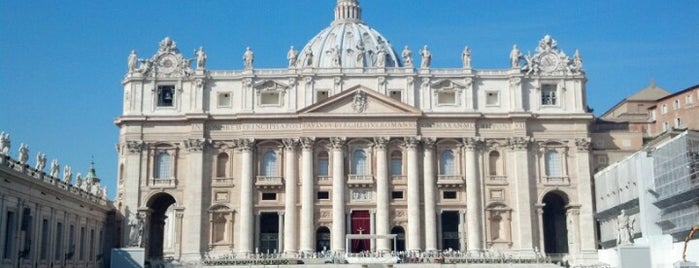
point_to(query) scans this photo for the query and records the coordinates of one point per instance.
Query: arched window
(359, 162)
(162, 166)
(396, 163)
(222, 165)
(494, 163)
(269, 164)
(553, 163)
(446, 163)
(323, 163)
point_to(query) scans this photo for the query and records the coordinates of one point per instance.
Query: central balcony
(450, 181)
(354, 180)
(269, 182)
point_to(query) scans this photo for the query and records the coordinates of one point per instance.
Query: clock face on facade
(167, 63)
(548, 62)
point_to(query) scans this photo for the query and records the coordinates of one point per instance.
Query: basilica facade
(354, 137)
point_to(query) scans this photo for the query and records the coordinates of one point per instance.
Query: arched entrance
(555, 230)
(323, 239)
(158, 205)
(400, 238)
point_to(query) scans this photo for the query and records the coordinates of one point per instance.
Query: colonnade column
(192, 199)
(522, 190)
(586, 222)
(382, 198)
(247, 230)
(414, 232)
(338, 195)
(290, 243)
(429, 188)
(540, 230)
(307, 195)
(473, 198)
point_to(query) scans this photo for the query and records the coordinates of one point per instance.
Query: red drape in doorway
(361, 223)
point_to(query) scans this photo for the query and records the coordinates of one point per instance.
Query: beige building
(46, 219)
(677, 111)
(353, 137)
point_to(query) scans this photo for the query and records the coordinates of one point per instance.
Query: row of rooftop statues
(532, 63)
(86, 184)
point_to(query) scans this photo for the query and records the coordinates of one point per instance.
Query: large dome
(348, 43)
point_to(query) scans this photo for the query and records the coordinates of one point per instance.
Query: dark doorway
(450, 230)
(269, 232)
(555, 231)
(400, 238)
(158, 204)
(323, 239)
(361, 222)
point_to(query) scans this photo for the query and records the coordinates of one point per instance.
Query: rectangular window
(678, 122)
(548, 95)
(449, 195)
(269, 98)
(45, 239)
(82, 244)
(323, 195)
(664, 111)
(323, 167)
(397, 195)
(269, 196)
(666, 126)
(9, 234)
(224, 99)
(492, 98)
(446, 98)
(166, 95)
(677, 104)
(396, 95)
(321, 95)
(652, 115)
(59, 241)
(688, 99)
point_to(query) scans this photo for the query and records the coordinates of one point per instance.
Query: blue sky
(61, 62)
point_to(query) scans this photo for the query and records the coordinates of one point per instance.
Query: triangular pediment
(360, 101)
(270, 85)
(447, 84)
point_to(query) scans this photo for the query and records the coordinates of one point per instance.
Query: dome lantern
(347, 11)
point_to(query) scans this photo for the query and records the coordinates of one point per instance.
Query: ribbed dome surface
(348, 43)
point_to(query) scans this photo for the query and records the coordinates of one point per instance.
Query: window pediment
(447, 85)
(270, 86)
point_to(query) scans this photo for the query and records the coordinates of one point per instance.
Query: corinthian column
(290, 243)
(473, 197)
(247, 228)
(585, 213)
(522, 199)
(382, 201)
(429, 184)
(414, 234)
(192, 199)
(307, 195)
(338, 232)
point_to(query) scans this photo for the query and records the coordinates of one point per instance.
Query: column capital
(539, 208)
(519, 143)
(280, 213)
(583, 144)
(338, 142)
(411, 142)
(472, 143)
(290, 144)
(428, 142)
(195, 145)
(381, 142)
(245, 144)
(135, 146)
(307, 142)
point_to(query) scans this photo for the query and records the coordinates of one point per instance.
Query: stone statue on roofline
(78, 180)
(426, 57)
(201, 58)
(407, 56)
(466, 57)
(381, 58)
(67, 174)
(4, 143)
(292, 55)
(40, 161)
(515, 56)
(133, 61)
(54, 168)
(248, 58)
(23, 154)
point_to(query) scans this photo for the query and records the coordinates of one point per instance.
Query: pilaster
(522, 193)
(193, 246)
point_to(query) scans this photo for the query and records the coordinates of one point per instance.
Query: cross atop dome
(348, 11)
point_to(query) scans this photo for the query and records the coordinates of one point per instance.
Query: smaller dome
(348, 43)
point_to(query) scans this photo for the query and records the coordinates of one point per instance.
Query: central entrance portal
(269, 232)
(361, 224)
